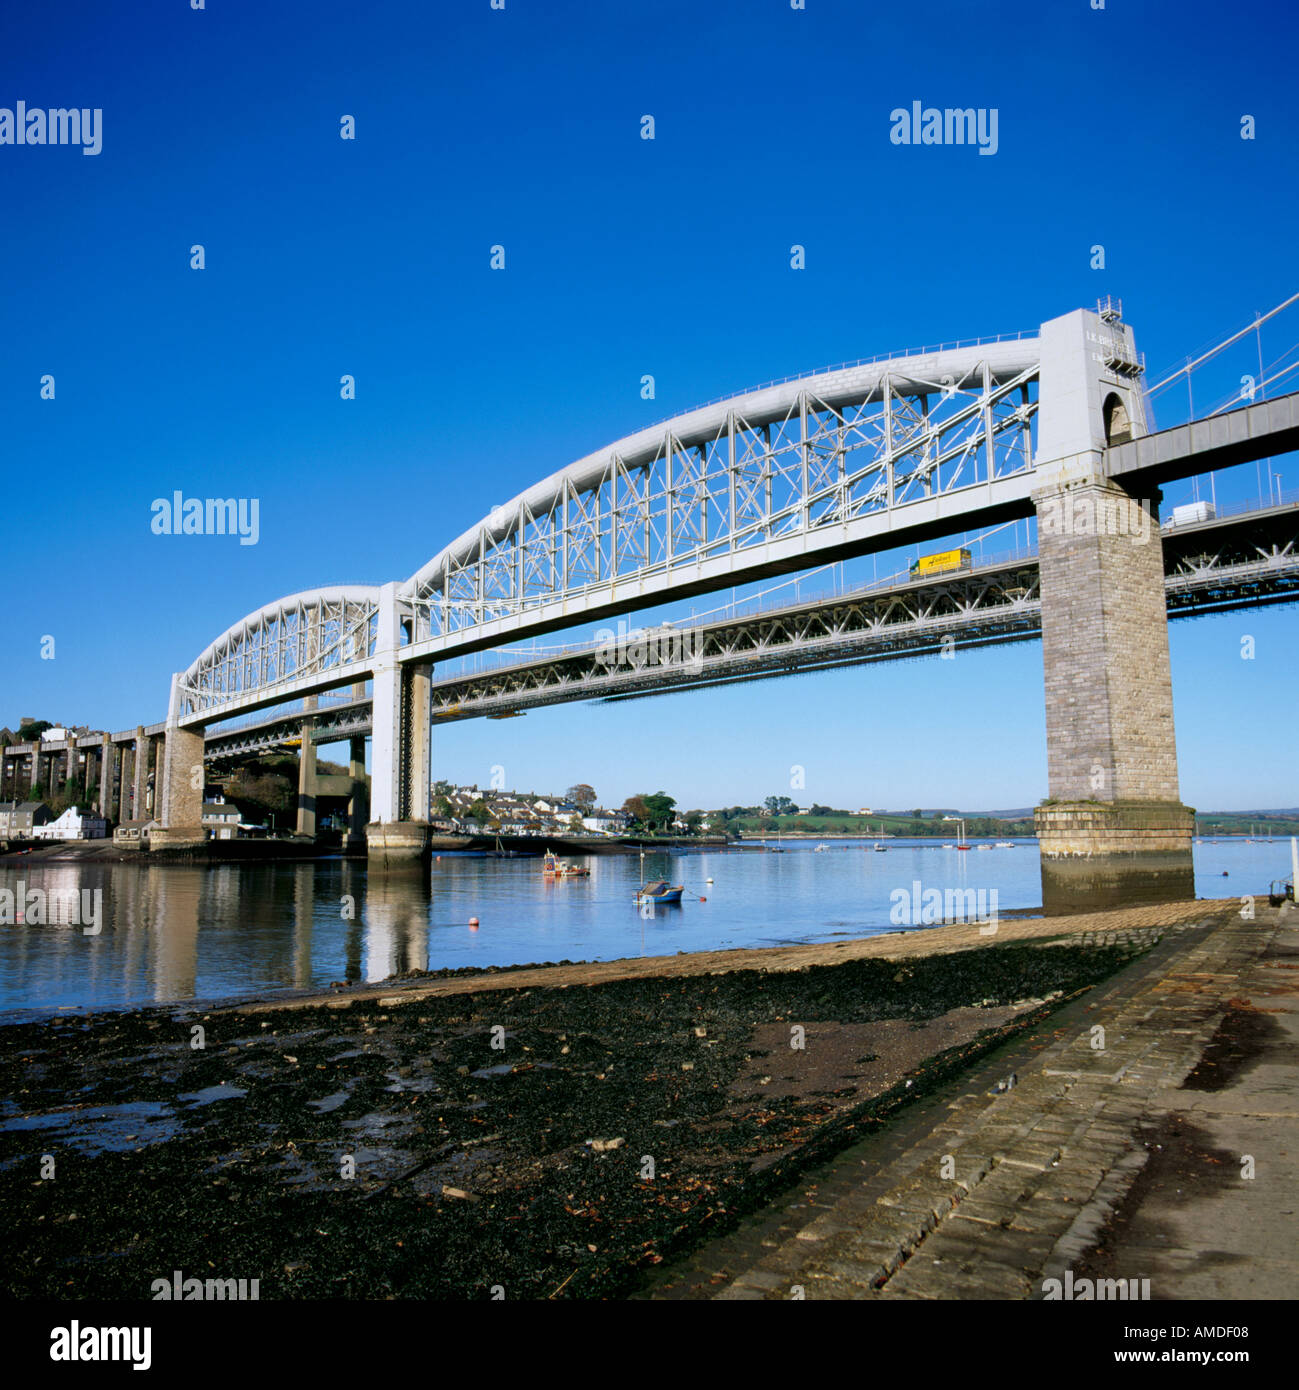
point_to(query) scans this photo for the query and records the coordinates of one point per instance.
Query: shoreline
(1015, 925)
(903, 943)
(435, 1137)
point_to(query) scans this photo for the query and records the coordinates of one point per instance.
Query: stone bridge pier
(178, 780)
(398, 831)
(353, 784)
(1113, 829)
(308, 778)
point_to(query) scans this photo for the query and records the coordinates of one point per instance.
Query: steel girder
(718, 485)
(319, 633)
(991, 608)
(1232, 561)
(978, 610)
(330, 724)
(1247, 560)
(969, 609)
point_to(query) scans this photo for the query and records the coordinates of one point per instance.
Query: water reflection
(1109, 881)
(177, 932)
(397, 924)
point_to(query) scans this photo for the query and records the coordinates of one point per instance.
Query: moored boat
(552, 866)
(660, 891)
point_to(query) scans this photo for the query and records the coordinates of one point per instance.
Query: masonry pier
(1114, 829)
(178, 784)
(398, 833)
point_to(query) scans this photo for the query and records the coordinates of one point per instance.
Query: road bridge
(1247, 557)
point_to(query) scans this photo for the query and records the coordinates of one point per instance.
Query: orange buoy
(473, 924)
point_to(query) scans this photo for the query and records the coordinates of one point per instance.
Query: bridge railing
(1288, 498)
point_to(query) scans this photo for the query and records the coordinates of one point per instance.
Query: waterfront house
(133, 834)
(20, 819)
(220, 820)
(73, 825)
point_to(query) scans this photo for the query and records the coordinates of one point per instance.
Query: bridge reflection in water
(172, 933)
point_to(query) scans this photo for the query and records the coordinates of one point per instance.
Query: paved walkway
(1092, 1157)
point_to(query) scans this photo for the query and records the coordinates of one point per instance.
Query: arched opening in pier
(1118, 427)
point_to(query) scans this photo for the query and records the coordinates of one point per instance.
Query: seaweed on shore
(539, 1142)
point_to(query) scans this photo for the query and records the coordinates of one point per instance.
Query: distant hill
(1026, 813)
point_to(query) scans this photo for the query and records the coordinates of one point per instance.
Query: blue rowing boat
(660, 892)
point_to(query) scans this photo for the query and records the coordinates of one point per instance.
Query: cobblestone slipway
(1076, 1147)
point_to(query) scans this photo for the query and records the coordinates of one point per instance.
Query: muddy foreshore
(518, 1142)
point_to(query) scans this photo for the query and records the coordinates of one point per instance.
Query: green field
(758, 827)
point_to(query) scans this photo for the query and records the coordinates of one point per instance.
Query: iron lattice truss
(313, 635)
(1242, 561)
(1233, 562)
(330, 724)
(1001, 605)
(713, 492)
(993, 607)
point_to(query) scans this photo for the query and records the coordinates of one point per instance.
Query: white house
(220, 820)
(73, 825)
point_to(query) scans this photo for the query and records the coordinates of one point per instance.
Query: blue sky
(624, 257)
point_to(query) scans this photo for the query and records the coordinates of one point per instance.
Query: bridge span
(1244, 558)
(788, 477)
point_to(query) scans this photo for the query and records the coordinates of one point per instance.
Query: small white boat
(949, 846)
(881, 849)
(983, 847)
(1005, 844)
(820, 849)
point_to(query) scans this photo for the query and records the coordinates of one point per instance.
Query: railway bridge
(785, 478)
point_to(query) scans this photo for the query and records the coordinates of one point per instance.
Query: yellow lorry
(941, 563)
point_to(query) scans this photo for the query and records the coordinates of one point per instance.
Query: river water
(176, 933)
